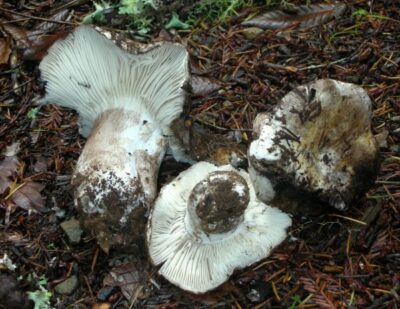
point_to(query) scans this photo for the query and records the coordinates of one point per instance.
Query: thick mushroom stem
(216, 204)
(118, 166)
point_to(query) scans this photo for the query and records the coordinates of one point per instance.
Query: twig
(13, 89)
(348, 218)
(317, 66)
(39, 18)
(94, 261)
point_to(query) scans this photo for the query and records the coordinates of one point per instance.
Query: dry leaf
(28, 196)
(101, 306)
(304, 16)
(38, 47)
(5, 51)
(51, 24)
(129, 277)
(7, 168)
(202, 86)
(35, 43)
(4, 183)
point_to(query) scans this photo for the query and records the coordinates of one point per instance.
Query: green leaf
(98, 14)
(32, 114)
(135, 7)
(360, 12)
(175, 22)
(41, 298)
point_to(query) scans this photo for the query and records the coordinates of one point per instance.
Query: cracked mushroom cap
(126, 103)
(207, 223)
(318, 141)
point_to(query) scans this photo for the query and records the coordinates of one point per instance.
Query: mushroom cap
(196, 261)
(89, 73)
(318, 140)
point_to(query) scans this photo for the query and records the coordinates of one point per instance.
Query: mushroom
(208, 222)
(318, 142)
(126, 104)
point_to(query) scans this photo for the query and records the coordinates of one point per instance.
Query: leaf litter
(328, 261)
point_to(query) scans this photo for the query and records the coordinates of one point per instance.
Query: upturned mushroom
(319, 142)
(125, 104)
(207, 223)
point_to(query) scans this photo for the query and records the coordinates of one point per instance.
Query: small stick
(94, 261)
(39, 18)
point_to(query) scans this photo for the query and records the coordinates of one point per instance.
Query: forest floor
(333, 259)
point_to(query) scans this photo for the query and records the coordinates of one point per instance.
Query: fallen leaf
(101, 306)
(304, 16)
(4, 183)
(202, 86)
(5, 51)
(51, 25)
(28, 196)
(19, 35)
(35, 43)
(128, 277)
(8, 166)
(38, 47)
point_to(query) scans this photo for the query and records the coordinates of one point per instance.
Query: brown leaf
(202, 86)
(33, 44)
(101, 306)
(129, 277)
(28, 196)
(304, 16)
(38, 47)
(8, 166)
(5, 51)
(19, 35)
(5, 182)
(51, 25)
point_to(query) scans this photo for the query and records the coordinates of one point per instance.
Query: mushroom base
(115, 180)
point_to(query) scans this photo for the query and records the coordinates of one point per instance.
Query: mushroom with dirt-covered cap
(126, 104)
(318, 142)
(207, 223)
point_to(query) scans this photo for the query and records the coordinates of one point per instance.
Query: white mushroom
(126, 104)
(207, 223)
(318, 142)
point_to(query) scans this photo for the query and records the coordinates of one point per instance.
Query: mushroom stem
(118, 166)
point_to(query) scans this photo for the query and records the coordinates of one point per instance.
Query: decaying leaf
(15, 190)
(5, 51)
(7, 167)
(38, 47)
(202, 86)
(51, 25)
(34, 43)
(28, 196)
(129, 277)
(303, 16)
